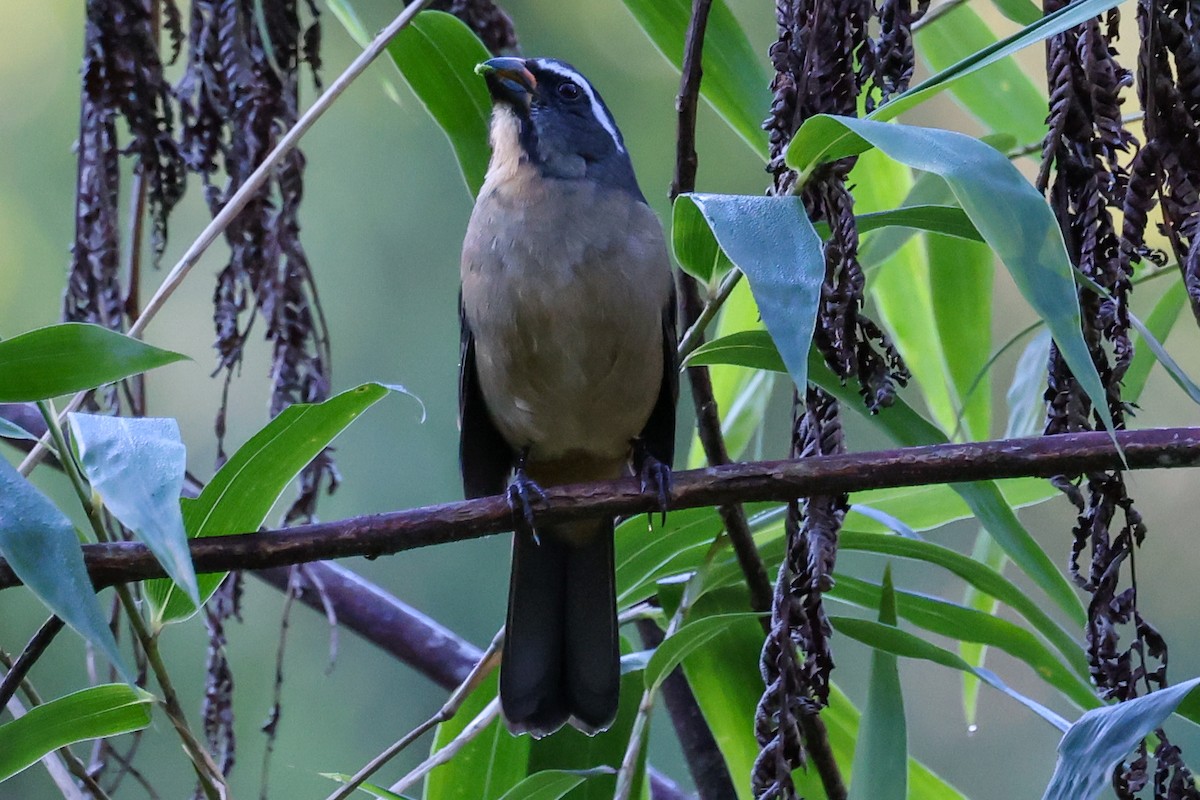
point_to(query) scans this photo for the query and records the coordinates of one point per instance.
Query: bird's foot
(521, 493)
(654, 475)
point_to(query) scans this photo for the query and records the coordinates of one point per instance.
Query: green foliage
(881, 760)
(437, 55)
(62, 359)
(92, 713)
(242, 493)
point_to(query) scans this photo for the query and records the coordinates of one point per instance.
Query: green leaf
(950, 220)
(694, 245)
(552, 784)
(735, 79)
(1066, 17)
(960, 277)
(1022, 12)
(241, 494)
(979, 576)
(1012, 216)
(1001, 96)
(771, 240)
(725, 679)
(344, 13)
(63, 359)
(1160, 322)
(365, 787)
(881, 760)
(437, 54)
(93, 713)
(568, 750)
(900, 283)
(137, 467)
(987, 553)
(966, 624)
(683, 642)
(902, 643)
(1102, 737)
(487, 766)
(744, 348)
(907, 428)
(41, 546)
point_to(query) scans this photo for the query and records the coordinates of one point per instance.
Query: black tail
(561, 653)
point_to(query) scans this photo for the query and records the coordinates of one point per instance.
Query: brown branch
(384, 534)
(32, 652)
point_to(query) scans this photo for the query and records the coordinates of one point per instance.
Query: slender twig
(28, 657)
(471, 732)
(694, 336)
(487, 662)
(247, 191)
(759, 481)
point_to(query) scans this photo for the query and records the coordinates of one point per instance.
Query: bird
(568, 374)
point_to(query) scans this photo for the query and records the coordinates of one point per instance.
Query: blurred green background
(383, 217)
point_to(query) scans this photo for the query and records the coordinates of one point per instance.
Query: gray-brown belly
(569, 369)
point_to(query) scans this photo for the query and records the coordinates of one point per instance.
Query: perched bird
(568, 374)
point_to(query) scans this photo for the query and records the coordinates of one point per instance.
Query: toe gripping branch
(520, 495)
(654, 475)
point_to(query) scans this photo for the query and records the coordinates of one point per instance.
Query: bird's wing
(484, 458)
(659, 434)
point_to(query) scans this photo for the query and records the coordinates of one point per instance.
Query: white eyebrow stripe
(598, 110)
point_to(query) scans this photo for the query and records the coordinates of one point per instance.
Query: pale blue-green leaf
(885, 519)
(966, 624)
(93, 713)
(881, 758)
(137, 467)
(553, 784)
(11, 430)
(71, 357)
(437, 54)
(42, 548)
(1160, 323)
(771, 240)
(1026, 408)
(1103, 736)
(678, 646)
(979, 576)
(1001, 96)
(902, 643)
(1066, 17)
(241, 494)
(735, 77)
(1010, 214)
(487, 766)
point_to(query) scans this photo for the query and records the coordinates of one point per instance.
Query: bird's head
(548, 115)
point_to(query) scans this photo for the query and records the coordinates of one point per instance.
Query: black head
(548, 109)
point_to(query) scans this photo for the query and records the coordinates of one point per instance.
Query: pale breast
(565, 292)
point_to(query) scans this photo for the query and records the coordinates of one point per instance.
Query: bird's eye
(568, 90)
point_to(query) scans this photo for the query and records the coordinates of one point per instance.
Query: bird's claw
(520, 495)
(656, 475)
